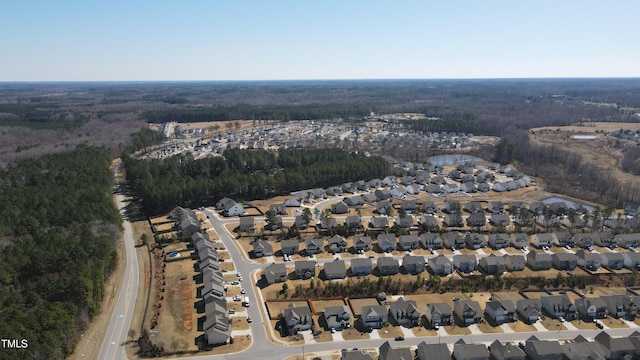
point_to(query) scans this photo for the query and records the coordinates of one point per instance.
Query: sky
(159, 40)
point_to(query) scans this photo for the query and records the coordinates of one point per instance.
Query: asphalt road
(113, 345)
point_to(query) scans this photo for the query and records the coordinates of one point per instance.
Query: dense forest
(59, 226)
(260, 112)
(243, 175)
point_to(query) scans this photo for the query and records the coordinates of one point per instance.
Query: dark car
(399, 338)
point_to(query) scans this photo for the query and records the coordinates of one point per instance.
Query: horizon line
(318, 80)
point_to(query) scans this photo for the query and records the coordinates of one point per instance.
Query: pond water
(448, 159)
(569, 203)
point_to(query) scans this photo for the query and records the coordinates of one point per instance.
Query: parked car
(249, 319)
(242, 291)
(399, 338)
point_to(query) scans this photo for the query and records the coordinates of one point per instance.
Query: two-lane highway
(113, 345)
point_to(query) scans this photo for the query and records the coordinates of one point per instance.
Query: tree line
(243, 175)
(59, 226)
(259, 112)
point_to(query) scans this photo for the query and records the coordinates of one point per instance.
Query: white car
(242, 291)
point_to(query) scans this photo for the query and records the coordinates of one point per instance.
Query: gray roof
(335, 269)
(389, 353)
(433, 352)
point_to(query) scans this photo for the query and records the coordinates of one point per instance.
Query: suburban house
(374, 317)
(559, 307)
(353, 201)
(314, 246)
(464, 351)
(353, 221)
(495, 207)
(564, 261)
(428, 222)
(386, 242)
(499, 241)
(405, 313)
(500, 311)
(430, 241)
(452, 220)
(529, 309)
(337, 244)
(543, 350)
(541, 240)
(275, 273)
(514, 262)
(355, 354)
(378, 222)
(413, 264)
(383, 194)
(433, 352)
(473, 207)
(492, 265)
(246, 224)
(387, 266)
(631, 260)
(476, 219)
(591, 308)
(382, 206)
(405, 221)
(388, 353)
(278, 209)
(539, 260)
(339, 208)
(584, 240)
(262, 248)
(409, 242)
(305, 269)
(507, 351)
(338, 317)
(519, 240)
(429, 207)
(605, 239)
(465, 263)
(290, 246)
(296, 319)
(468, 312)
(453, 240)
(500, 220)
(620, 306)
(229, 207)
(612, 260)
(335, 269)
(563, 239)
(189, 225)
(293, 202)
(441, 265)
(615, 348)
(582, 349)
(588, 260)
(360, 267)
(369, 198)
(627, 241)
(475, 241)
(300, 222)
(363, 243)
(438, 313)
(409, 206)
(216, 327)
(328, 223)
